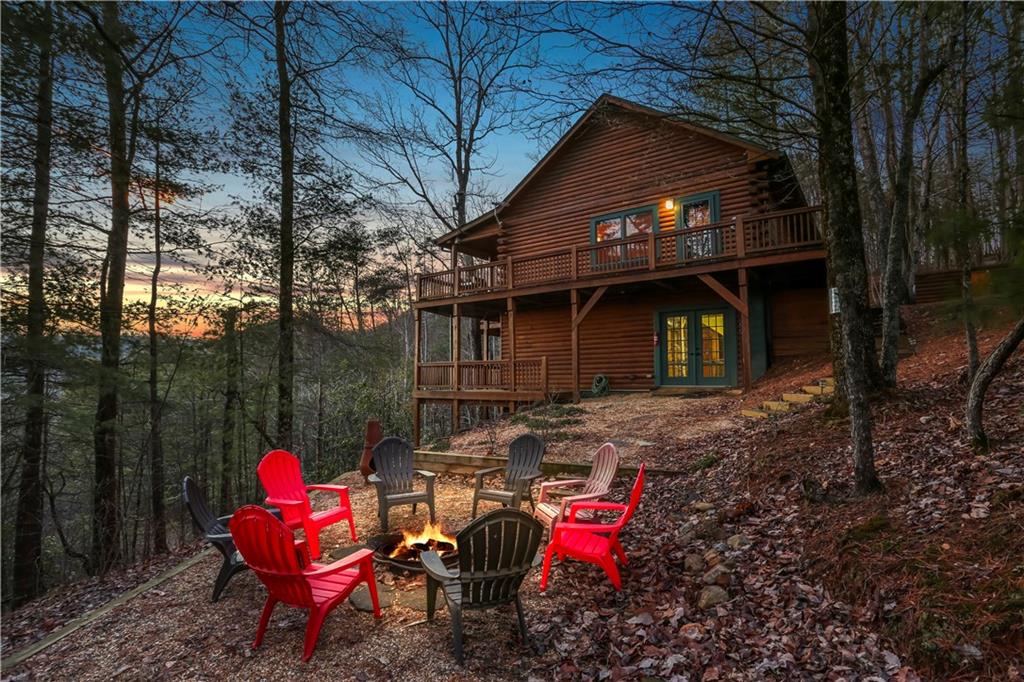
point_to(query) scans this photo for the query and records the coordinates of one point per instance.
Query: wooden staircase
(791, 401)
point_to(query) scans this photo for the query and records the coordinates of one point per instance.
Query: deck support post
(456, 344)
(574, 295)
(745, 341)
(510, 312)
(417, 417)
(456, 414)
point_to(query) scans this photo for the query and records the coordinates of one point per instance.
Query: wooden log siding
(799, 322)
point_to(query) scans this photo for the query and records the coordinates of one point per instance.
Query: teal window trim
(623, 259)
(714, 197)
(707, 243)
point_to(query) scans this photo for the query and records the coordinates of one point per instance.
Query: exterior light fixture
(669, 204)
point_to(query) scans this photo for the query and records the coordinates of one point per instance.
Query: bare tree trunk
(231, 399)
(286, 320)
(28, 529)
(106, 519)
(828, 52)
(983, 378)
(894, 283)
(156, 446)
(963, 197)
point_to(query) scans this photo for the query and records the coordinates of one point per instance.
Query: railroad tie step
(827, 381)
(754, 414)
(797, 397)
(775, 405)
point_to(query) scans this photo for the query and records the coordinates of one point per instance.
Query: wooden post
(456, 344)
(510, 309)
(456, 410)
(416, 344)
(741, 238)
(508, 273)
(573, 267)
(575, 298)
(544, 375)
(652, 259)
(745, 344)
(416, 419)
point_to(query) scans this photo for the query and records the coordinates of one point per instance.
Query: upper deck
(745, 241)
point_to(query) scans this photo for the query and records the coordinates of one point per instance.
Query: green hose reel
(600, 385)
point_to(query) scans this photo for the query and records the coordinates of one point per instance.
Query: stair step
(819, 390)
(754, 414)
(775, 406)
(827, 381)
(797, 397)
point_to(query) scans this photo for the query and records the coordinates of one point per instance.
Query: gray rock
(712, 596)
(721, 547)
(737, 541)
(360, 597)
(417, 599)
(717, 575)
(694, 563)
(702, 506)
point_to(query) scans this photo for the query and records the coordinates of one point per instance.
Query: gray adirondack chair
(496, 551)
(392, 458)
(595, 486)
(215, 530)
(521, 469)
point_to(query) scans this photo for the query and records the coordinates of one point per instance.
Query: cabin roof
(756, 150)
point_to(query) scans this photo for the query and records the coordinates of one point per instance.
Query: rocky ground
(755, 562)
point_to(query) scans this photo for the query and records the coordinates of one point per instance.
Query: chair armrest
(426, 474)
(570, 500)
(374, 479)
(598, 528)
(483, 472)
(340, 489)
(224, 519)
(291, 510)
(349, 561)
(435, 568)
(217, 537)
(595, 506)
(547, 486)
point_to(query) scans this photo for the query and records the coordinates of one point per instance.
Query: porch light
(669, 204)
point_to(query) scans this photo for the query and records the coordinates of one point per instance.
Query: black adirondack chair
(392, 458)
(521, 469)
(496, 551)
(215, 530)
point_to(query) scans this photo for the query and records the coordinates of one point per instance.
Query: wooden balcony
(483, 379)
(745, 238)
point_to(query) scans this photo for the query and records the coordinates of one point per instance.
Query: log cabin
(642, 247)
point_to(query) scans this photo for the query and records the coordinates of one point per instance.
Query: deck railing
(794, 229)
(492, 375)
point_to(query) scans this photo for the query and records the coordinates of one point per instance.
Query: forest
(213, 214)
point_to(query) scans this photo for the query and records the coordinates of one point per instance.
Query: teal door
(696, 348)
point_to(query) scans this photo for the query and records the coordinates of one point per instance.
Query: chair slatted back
(281, 476)
(496, 551)
(268, 547)
(524, 456)
(602, 471)
(634, 499)
(204, 518)
(392, 458)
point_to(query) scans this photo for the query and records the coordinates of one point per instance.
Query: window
(697, 212)
(625, 224)
(628, 223)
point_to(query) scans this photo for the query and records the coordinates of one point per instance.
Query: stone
(711, 557)
(693, 631)
(712, 596)
(710, 530)
(342, 552)
(694, 563)
(360, 597)
(718, 575)
(417, 599)
(737, 541)
(702, 506)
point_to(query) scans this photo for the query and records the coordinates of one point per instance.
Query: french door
(695, 348)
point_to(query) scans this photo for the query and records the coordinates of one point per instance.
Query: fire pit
(402, 550)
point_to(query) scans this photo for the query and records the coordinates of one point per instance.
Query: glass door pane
(677, 355)
(712, 346)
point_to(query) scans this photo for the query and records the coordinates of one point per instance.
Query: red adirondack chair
(282, 479)
(595, 543)
(285, 567)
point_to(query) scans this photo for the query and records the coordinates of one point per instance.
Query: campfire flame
(431, 538)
